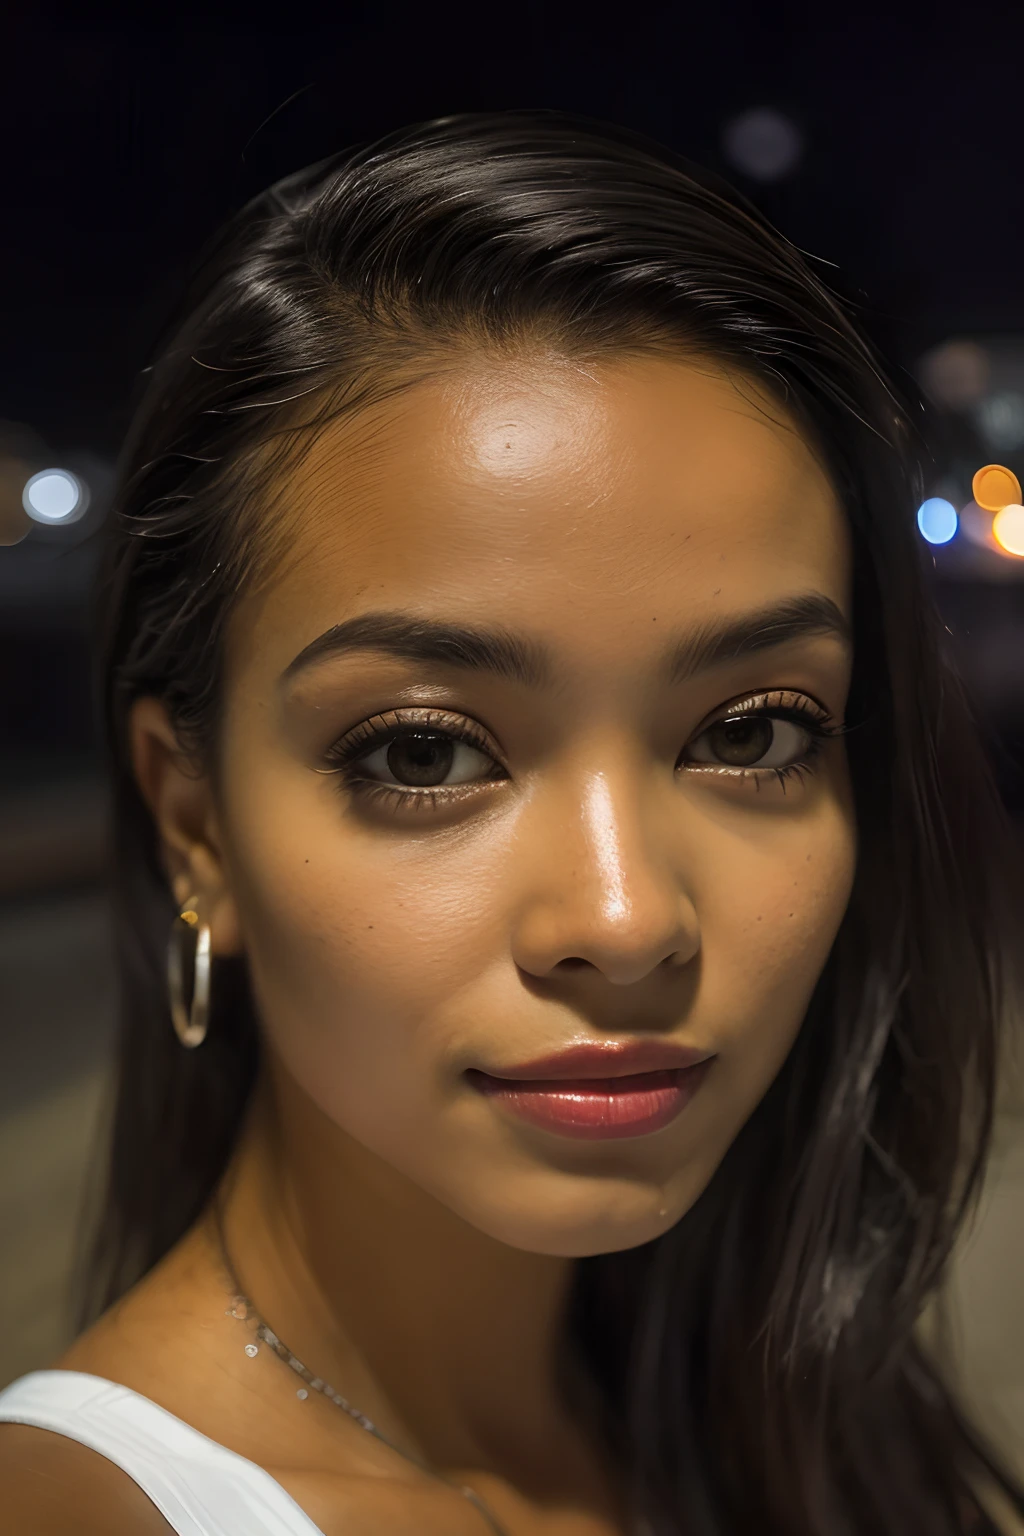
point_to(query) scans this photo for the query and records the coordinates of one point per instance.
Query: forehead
(555, 496)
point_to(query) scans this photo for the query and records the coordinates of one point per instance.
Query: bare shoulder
(52, 1486)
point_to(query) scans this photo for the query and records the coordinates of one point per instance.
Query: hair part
(758, 1363)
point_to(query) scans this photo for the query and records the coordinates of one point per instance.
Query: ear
(180, 799)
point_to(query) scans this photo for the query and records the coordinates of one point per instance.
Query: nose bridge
(607, 889)
(613, 842)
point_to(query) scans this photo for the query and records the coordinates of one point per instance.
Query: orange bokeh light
(994, 487)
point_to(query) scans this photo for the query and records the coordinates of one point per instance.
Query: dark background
(126, 142)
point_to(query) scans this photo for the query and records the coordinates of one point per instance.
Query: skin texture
(410, 1240)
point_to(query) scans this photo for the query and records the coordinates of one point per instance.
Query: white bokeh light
(1008, 529)
(55, 496)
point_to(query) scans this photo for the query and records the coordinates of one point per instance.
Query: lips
(610, 1058)
(599, 1093)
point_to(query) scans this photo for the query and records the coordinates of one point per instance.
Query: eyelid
(371, 733)
(791, 700)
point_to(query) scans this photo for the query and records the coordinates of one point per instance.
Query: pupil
(421, 758)
(741, 742)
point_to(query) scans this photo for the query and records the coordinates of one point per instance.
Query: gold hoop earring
(189, 1023)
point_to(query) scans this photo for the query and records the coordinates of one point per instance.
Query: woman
(520, 680)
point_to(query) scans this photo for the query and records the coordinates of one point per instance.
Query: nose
(602, 886)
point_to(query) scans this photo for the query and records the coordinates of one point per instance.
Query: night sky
(126, 141)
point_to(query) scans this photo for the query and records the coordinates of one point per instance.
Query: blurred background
(886, 140)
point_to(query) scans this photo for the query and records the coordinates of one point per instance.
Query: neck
(446, 1337)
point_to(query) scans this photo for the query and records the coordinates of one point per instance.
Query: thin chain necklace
(243, 1311)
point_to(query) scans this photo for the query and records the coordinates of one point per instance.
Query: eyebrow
(530, 663)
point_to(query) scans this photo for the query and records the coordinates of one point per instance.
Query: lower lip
(597, 1109)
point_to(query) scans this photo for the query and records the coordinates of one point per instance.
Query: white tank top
(201, 1488)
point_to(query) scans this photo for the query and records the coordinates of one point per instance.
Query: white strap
(201, 1488)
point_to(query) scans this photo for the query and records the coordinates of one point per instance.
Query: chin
(584, 1239)
(581, 1221)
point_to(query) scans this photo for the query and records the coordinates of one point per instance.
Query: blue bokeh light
(937, 520)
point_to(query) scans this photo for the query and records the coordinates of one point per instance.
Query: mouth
(590, 1093)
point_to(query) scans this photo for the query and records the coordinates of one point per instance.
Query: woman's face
(477, 805)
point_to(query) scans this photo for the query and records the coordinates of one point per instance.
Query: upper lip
(607, 1059)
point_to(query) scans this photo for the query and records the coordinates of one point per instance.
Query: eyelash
(345, 755)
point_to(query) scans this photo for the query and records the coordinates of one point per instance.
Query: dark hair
(758, 1363)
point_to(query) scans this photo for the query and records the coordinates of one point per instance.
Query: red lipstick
(600, 1092)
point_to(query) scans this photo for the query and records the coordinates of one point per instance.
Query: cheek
(359, 955)
(768, 924)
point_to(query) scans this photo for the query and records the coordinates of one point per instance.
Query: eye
(414, 756)
(424, 760)
(778, 733)
(751, 741)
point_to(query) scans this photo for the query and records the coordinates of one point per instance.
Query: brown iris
(741, 740)
(421, 757)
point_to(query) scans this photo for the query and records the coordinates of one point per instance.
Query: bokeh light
(976, 526)
(956, 374)
(763, 143)
(1000, 419)
(1008, 529)
(55, 496)
(937, 520)
(14, 524)
(995, 486)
